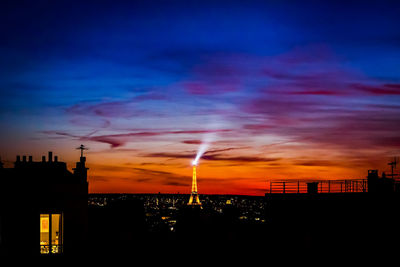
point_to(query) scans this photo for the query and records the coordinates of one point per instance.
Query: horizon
(250, 92)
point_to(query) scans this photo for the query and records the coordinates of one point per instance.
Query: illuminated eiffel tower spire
(194, 197)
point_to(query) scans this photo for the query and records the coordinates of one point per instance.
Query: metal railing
(323, 186)
(50, 249)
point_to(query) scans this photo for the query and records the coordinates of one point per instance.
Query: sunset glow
(248, 93)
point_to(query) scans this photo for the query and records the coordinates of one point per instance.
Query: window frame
(50, 246)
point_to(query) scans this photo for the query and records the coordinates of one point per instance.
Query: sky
(268, 89)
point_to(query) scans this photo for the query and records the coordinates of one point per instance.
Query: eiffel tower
(194, 197)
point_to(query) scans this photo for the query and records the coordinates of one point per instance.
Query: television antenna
(81, 148)
(393, 165)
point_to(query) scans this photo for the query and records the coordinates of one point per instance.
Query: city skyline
(276, 90)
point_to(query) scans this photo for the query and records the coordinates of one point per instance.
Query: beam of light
(203, 147)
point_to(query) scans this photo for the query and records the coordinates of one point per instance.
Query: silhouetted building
(380, 185)
(43, 208)
(346, 220)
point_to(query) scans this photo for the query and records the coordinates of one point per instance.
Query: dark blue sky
(179, 32)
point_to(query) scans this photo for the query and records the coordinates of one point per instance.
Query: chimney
(43, 158)
(24, 158)
(50, 156)
(18, 158)
(30, 158)
(55, 158)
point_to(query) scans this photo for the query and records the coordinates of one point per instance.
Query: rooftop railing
(319, 186)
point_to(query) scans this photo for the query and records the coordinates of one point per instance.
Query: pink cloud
(117, 140)
(318, 92)
(382, 89)
(212, 157)
(111, 109)
(304, 95)
(192, 142)
(257, 127)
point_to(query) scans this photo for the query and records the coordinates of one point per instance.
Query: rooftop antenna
(393, 165)
(81, 148)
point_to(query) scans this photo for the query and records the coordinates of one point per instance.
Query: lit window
(51, 237)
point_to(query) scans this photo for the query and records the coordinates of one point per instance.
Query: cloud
(166, 178)
(84, 121)
(257, 127)
(110, 109)
(149, 171)
(362, 128)
(318, 92)
(192, 142)
(304, 95)
(244, 159)
(313, 163)
(316, 100)
(144, 180)
(113, 142)
(117, 140)
(213, 157)
(213, 151)
(124, 108)
(174, 183)
(380, 89)
(171, 155)
(209, 88)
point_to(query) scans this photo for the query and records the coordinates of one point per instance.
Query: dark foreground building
(43, 208)
(346, 222)
(44, 214)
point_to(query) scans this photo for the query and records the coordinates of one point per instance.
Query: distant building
(43, 208)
